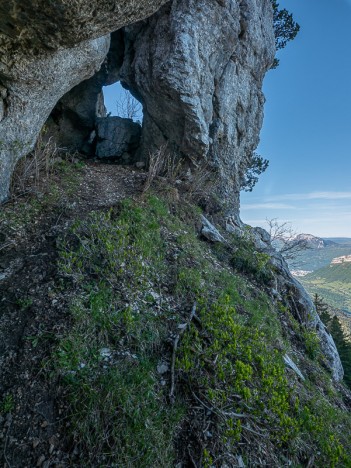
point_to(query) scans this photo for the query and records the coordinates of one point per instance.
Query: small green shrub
(247, 260)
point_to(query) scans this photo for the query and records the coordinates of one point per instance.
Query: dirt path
(33, 315)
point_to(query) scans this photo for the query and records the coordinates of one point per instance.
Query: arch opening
(118, 134)
(119, 102)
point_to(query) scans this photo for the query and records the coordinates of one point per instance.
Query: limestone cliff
(133, 331)
(197, 67)
(201, 83)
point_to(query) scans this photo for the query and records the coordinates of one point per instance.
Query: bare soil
(33, 316)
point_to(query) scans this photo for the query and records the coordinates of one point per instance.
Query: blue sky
(307, 127)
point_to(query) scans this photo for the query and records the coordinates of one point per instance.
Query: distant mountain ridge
(314, 242)
(339, 240)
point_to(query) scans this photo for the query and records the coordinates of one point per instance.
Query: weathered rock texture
(72, 121)
(197, 66)
(47, 48)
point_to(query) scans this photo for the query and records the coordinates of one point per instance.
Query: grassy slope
(132, 275)
(137, 271)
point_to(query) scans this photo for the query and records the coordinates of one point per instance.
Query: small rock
(210, 232)
(290, 363)
(105, 353)
(162, 368)
(140, 164)
(41, 460)
(36, 442)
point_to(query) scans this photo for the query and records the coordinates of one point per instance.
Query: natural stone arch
(47, 48)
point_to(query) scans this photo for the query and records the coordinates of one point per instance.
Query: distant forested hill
(333, 283)
(314, 259)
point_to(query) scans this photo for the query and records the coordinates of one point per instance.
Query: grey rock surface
(299, 302)
(117, 138)
(43, 24)
(290, 363)
(197, 67)
(45, 51)
(33, 90)
(73, 119)
(210, 232)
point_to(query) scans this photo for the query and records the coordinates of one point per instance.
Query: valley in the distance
(326, 271)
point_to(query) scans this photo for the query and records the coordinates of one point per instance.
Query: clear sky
(307, 127)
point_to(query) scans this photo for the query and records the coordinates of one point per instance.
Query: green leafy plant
(7, 404)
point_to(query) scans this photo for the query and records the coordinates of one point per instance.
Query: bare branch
(128, 107)
(285, 240)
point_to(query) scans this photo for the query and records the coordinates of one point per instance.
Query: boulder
(210, 232)
(117, 138)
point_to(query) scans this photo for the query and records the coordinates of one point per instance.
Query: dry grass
(36, 169)
(173, 175)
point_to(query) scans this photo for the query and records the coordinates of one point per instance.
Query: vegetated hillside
(339, 240)
(314, 259)
(333, 283)
(128, 339)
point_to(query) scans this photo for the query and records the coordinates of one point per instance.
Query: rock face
(117, 139)
(33, 89)
(47, 48)
(197, 66)
(72, 121)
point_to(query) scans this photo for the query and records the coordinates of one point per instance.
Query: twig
(5, 445)
(191, 458)
(296, 310)
(260, 434)
(219, 412)
(175, 346)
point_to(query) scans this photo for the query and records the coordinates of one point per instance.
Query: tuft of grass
(247, 260)
(7, 404)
